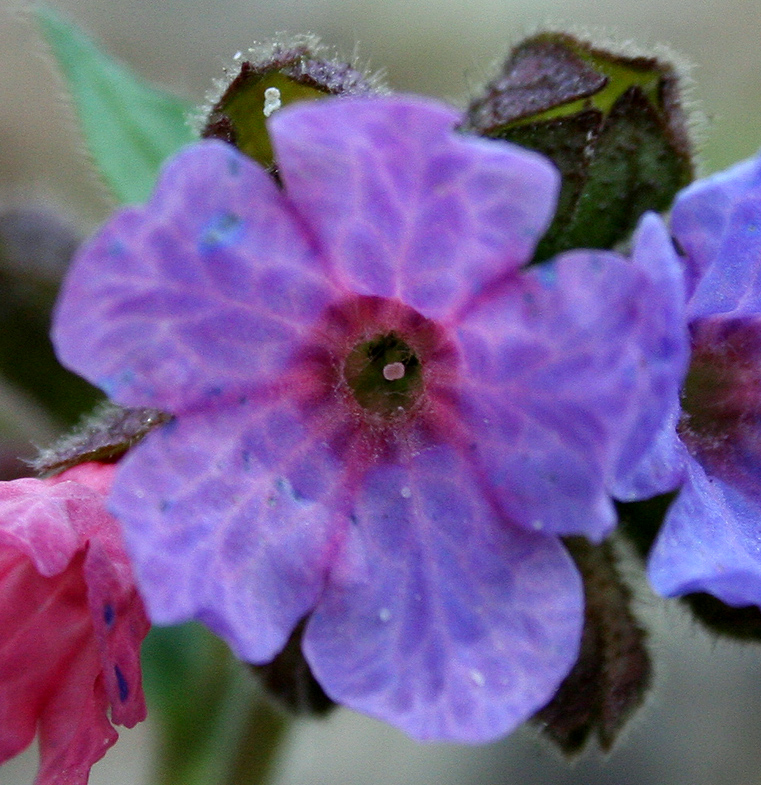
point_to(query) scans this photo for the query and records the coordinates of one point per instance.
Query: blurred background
(702, 725)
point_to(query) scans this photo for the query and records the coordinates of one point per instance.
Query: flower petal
(120, 624)
(649, 460)
(224, 518)
(34, 518)
(709, 542)
(442, 619)
(717, 221)
(199, 295)
(661, 469)
(45, 639)
(552, 384)
(74, 729)
(403, 206)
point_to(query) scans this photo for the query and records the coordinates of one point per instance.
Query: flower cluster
(376, 413)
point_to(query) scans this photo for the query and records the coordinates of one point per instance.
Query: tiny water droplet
(477, 677)
(271, 100)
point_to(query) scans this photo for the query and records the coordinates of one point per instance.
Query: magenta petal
(34, 518)
(70, 626)
(441, 618)
(403, 206)
(709, 542)
(117, 612)
(224, 526)
(44, 623)
(717, 222)
(120, 625)
(199, 295)
(74, 731)
(552, 385)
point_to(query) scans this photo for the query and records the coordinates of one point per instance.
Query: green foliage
(215, 727)
(129, 126)
(242, 109)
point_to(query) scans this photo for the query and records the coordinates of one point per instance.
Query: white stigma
(393, 371)
(271, 100)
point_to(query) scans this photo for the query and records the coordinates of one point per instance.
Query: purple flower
(711, 539)
(382, 422)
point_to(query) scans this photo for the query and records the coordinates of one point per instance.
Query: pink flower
(71, 623)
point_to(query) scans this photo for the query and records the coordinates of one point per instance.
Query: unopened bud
(266, 79)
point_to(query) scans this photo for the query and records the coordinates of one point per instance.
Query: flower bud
(270, 78)
(612, 124)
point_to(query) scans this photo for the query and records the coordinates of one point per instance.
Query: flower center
(721, 399)
(384, 375)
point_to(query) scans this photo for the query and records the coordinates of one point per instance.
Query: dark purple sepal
(612, 676)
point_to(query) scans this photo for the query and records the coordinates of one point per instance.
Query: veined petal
(71, 633)
(74, 731)
(710, 542)
(551, 385)
(226, 520)
(403, 206)
(717, 222)
(663, 345)
(203, 293)
(441, 618)
(44, 627)
(661, 469)
(34, 518)
(120, 624)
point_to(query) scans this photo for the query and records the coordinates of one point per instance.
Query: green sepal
(129, 126)
(613, 125)
(104, 436)
(301, 70)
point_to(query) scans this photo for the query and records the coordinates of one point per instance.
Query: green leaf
(130, 127)
(215, 727)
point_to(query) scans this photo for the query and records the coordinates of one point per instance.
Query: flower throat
(384, 375)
